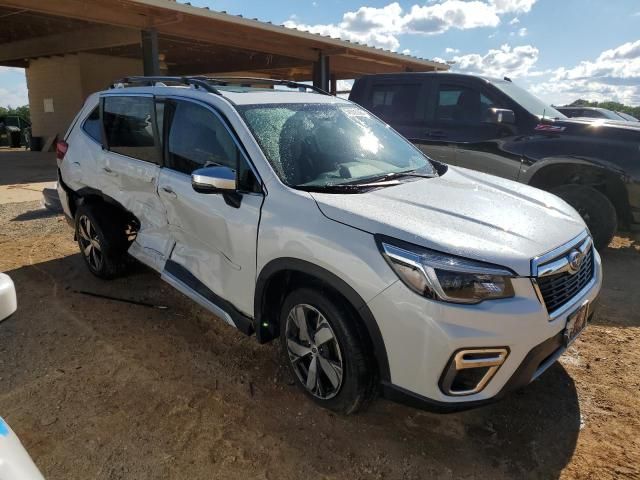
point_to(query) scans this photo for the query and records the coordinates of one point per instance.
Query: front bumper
(421, 335)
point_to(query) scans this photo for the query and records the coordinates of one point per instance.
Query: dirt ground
(107, 390)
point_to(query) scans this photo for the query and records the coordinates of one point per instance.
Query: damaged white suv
(299, 215)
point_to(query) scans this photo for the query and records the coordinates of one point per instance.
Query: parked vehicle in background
(590, 112)
(15, 131)
(15, 462)
(8, 301)
(627, 117)
(302, 216)
(494, 126)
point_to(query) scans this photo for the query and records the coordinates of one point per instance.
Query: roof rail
(198, 82)
(270, 81)
(206, 83)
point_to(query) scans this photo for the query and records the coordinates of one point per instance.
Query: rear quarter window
(91, 125)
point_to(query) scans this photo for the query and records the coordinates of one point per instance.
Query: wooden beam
(243, 63)
(69, 42)
(84, 10)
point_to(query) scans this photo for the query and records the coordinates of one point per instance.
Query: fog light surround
(471, 369)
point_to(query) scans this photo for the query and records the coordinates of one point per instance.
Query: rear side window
(395, 102)
(91, 125)
(129, 127)
(461, 104)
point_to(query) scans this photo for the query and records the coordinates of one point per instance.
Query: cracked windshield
(319, 145)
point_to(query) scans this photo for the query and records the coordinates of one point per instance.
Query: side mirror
(214, 180)
(500, 115)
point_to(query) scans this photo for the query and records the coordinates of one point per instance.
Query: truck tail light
(61, 149)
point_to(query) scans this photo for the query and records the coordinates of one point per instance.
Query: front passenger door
(215, 234)
(461, 121)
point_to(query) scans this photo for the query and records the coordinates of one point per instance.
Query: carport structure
(73, 47)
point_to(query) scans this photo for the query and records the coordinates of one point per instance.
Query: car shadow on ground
(140, 385)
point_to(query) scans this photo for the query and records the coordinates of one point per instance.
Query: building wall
(67, 81)
(56, 78)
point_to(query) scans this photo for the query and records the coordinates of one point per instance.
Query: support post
(150, 52)
(322, 72)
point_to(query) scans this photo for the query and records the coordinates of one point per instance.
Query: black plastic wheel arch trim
(264, 334)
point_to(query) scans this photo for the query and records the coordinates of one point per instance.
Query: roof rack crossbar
(198, 82)
(206, 83)
(253, 80)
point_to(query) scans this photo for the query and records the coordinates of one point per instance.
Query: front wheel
(596, 210)
(323, 350)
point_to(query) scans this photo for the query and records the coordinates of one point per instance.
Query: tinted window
(92, 126)
(460, 104)
(129, 127)
(197, 138)
(395, 102)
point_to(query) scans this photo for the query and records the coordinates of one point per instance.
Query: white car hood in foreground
(15, 462)
(465, 213)
(8, 303)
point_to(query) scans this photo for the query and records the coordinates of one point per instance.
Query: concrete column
(150, 52)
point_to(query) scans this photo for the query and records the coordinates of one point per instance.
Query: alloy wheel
(90, 243)
(314, 351)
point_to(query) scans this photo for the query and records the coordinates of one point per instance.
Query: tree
(20, 112)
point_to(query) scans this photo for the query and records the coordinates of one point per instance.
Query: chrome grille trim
(555, 283)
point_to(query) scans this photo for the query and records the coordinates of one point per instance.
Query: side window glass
(91, 125)
(129, 127)
(197, 138)
(395, 102)
(462, 105)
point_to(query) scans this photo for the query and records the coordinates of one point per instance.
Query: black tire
(14, 139)
(595, 208)
(104, 241)
(356, 385)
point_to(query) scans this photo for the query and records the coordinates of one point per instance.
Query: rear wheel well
(283, 282)
(116, 215)
(608, 183)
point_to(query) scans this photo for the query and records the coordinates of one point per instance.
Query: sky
(560, 50)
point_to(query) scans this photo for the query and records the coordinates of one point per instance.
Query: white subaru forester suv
(295, 214)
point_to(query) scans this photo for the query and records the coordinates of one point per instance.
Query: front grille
(559, 289)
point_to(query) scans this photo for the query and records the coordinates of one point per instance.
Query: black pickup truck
(494, 126)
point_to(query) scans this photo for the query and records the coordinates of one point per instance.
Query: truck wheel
(595, 208)
(324, 352)
(102, 245)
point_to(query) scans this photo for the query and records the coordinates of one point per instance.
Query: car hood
(464, 213)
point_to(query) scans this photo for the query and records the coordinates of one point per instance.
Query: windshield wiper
(392, 176)
(345, 187)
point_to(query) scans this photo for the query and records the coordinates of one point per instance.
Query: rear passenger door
(129, 168)
(459, 120)
(215, 234)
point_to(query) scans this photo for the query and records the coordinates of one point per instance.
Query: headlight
(446, 277)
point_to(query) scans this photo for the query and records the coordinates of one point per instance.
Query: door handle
(169, 191)
(108, 171)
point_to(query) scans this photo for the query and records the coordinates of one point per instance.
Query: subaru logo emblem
(575, 261)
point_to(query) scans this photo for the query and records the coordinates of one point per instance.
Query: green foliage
(614, 106)
(20, 112)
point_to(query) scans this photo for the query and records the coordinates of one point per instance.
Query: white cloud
(451, 50)
(613, 75)
(512, 6)
(506, 60)
(13, 87)
(515, 21)
(382, 26)
(523, 32)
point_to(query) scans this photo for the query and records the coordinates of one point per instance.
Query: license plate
(576, 323)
